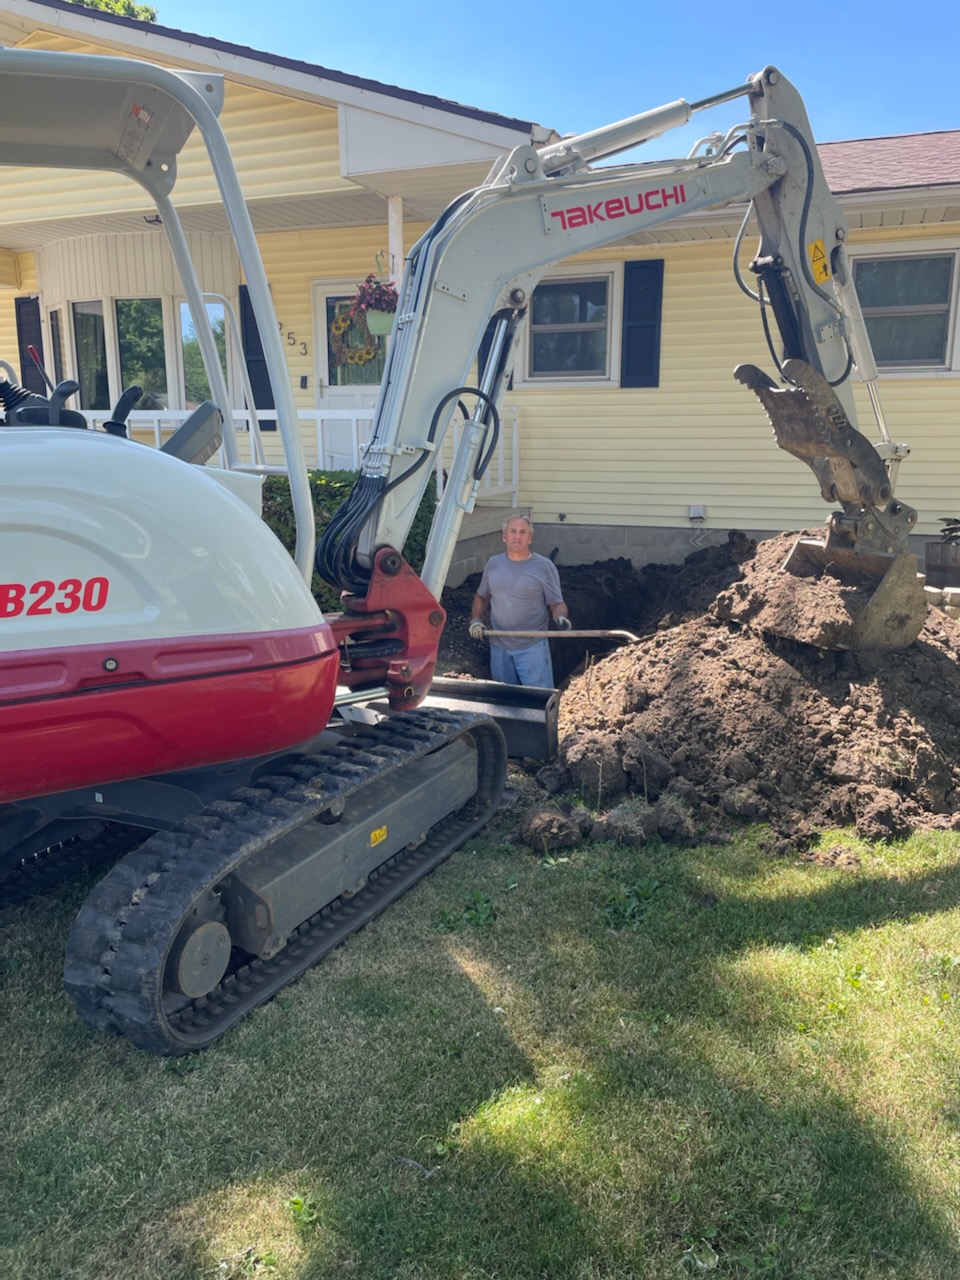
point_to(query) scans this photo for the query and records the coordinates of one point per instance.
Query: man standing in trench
(522, 590)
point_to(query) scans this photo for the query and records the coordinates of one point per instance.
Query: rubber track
(117, 948)
(44, 870)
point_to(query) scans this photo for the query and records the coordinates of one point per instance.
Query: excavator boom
(474, 273)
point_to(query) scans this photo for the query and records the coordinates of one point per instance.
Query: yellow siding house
(343, 174)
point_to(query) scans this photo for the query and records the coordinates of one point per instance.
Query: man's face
(517, 537)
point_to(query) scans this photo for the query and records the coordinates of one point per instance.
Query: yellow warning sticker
(378, 836)
(819, 262)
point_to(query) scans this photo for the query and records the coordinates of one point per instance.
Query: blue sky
(864, 69)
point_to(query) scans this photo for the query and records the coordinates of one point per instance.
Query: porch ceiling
(13, 28)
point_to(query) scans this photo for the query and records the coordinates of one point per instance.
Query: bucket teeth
(809, 421)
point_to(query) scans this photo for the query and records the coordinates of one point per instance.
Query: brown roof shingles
(884, 164)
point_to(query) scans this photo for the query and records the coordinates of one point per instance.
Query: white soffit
(372, 142)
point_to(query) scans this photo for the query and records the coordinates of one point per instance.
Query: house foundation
(580, 544)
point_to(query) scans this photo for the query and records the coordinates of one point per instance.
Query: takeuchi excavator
(263, 778)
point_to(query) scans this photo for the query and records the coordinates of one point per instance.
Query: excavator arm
(474, 273)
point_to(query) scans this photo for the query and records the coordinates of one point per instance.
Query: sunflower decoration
(345, 351)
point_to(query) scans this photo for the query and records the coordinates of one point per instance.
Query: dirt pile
(710, 721)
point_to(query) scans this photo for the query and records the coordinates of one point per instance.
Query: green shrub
(329, 490)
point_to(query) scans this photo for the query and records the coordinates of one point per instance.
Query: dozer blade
(528, 717)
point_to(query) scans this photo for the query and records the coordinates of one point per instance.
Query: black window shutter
(29, 335)
(642, 306)
(254, 359)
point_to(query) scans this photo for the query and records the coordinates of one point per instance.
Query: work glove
(564, 624)
(476, 629)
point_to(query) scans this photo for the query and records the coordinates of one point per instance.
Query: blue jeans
(530, 666)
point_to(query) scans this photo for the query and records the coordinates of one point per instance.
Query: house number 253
(292, 340)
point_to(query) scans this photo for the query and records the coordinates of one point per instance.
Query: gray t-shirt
(520, 593)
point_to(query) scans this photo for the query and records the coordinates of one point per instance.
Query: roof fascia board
(92, 24)
(900, 196)
(891, 198)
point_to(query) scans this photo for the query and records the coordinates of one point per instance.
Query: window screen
(906, 306)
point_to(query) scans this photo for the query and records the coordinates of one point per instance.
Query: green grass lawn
(618, 1063)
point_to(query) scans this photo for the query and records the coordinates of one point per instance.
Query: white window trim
(613, 273)
(920, 249)
(47, 330)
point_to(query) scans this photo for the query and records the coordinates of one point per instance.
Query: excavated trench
(711, 721)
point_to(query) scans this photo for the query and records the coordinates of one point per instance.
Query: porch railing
(334, 440)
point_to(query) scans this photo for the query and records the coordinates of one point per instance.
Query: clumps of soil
(709, 722)
(831, 599)
(667, 594)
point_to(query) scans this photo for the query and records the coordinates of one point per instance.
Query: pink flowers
(374, 294)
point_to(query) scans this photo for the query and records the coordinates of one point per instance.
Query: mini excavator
(172, 699)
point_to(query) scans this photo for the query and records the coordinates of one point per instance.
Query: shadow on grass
(441, 1140)
(654, 1144)
(854, 902)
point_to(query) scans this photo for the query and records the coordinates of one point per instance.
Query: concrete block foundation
(580, 544)
(481, 538)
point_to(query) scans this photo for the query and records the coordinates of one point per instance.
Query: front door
(349, 368)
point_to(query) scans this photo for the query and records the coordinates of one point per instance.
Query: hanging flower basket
(374, 305)
(379, 323)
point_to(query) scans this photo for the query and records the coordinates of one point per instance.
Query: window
(195, 381)
(143, 360)
(906, 304)
(355, 357)
(568, 328)
(577, 322)
(111, 344)
(91, 351)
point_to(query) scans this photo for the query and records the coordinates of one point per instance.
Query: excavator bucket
(862, 601)
(798, 588)
(858, 587)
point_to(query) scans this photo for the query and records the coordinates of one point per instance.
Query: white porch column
(395, 237)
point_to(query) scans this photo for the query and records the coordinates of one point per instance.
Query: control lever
(34, 355)
(117, 425)
(57, 397)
